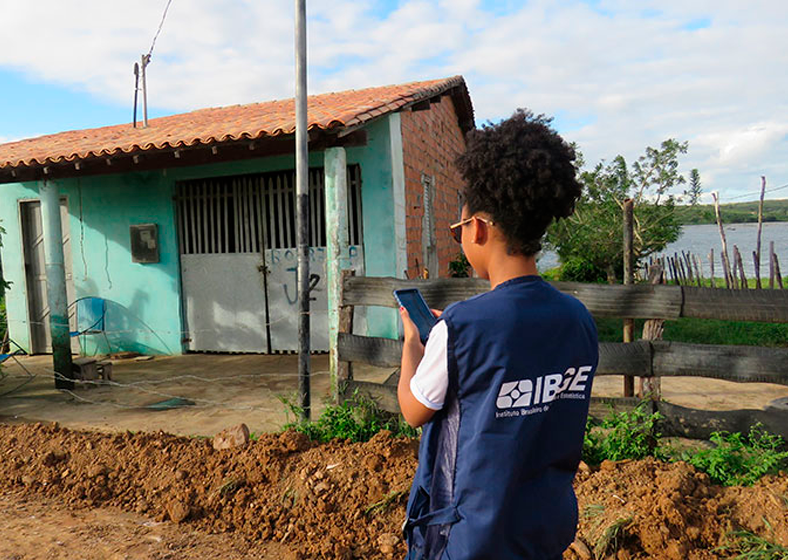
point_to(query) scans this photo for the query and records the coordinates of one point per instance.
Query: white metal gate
(238, 260)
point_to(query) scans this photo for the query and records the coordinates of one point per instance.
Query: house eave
(155, 159)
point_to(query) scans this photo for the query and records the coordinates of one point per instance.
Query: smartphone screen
(412, 300)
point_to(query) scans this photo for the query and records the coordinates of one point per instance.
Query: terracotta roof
(226, 124)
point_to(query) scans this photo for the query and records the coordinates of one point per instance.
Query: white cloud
(636, 71)
(740, 146)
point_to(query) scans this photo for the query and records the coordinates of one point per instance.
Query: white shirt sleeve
(431, 380)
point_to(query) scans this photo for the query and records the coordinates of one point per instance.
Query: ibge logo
(544, 389)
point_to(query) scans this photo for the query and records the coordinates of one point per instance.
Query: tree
(592, 236)
(695, 190)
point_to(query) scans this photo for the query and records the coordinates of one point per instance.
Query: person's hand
(409, 327)
(436, 312)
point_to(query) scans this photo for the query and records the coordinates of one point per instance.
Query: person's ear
(480, 232)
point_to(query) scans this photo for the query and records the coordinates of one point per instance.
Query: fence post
(756, 257)
(651, 387)
(629, 278)
(726, 266)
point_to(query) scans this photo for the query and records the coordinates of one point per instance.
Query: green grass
(612, 537)
(704, 331)
(749, 546)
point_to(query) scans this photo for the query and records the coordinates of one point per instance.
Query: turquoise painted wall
(143, 310)
(377, 200)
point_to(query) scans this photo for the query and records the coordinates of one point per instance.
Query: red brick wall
(431, 140)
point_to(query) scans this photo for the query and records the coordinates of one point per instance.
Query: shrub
(623, 435)
(576, 269)
(356, 420)
(740, 460)
(460, 267)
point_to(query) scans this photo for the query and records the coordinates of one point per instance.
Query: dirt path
(35, 527)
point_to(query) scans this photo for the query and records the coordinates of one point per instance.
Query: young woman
(503, 385)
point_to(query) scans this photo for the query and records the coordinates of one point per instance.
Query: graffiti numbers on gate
(314, 280)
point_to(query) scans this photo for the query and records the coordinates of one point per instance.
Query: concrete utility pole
(302, 208)
(56, 285)
(337, 251)
(144, 61)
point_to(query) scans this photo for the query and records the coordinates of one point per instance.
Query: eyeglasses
(456, 231)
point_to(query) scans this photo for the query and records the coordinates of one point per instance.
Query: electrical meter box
(145, 243)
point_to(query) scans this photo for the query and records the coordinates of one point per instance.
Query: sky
(616, 75)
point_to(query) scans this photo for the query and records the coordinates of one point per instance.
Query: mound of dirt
(343, 500)
(650, 509)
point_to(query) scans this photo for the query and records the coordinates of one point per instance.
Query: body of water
(700, 239)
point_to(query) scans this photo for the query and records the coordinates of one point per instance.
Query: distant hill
(734, 213)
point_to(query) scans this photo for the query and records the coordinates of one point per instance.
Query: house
(186, 228)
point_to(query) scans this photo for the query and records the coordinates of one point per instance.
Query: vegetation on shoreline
(733, 213)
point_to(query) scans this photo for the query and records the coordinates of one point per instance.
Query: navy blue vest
(496, 464)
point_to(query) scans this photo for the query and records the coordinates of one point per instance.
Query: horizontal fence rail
(742, 364)
(638, 301)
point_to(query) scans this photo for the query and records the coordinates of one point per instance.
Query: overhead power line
(161, 24)
(756, 194)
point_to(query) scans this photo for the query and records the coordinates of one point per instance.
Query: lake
(699, 239)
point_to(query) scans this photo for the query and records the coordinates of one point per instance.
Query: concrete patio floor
(231, 388)
(226, 389)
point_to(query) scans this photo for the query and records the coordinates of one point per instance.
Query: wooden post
(690, 275)
(734, 268)
(337, 252)
(682, 269)
(740, 267)
(711, 264)
(650, 387)
(629, 324)
(726, 267)
(344, 370)
(771, 265)
(757, 256)
(777, 277)
(698, 270)
(56, 285)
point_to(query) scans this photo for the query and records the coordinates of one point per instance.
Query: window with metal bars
(249, 213)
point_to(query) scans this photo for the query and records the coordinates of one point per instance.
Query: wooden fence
(646, 359)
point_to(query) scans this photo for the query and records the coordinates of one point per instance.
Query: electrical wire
(161, 24)
(758, 194)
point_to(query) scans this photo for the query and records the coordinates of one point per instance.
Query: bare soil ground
(73, 494)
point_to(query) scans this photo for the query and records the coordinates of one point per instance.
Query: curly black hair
(521, 173)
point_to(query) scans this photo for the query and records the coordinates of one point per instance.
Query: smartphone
(412, 300)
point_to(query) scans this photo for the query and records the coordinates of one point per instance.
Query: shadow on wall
(123, 330)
